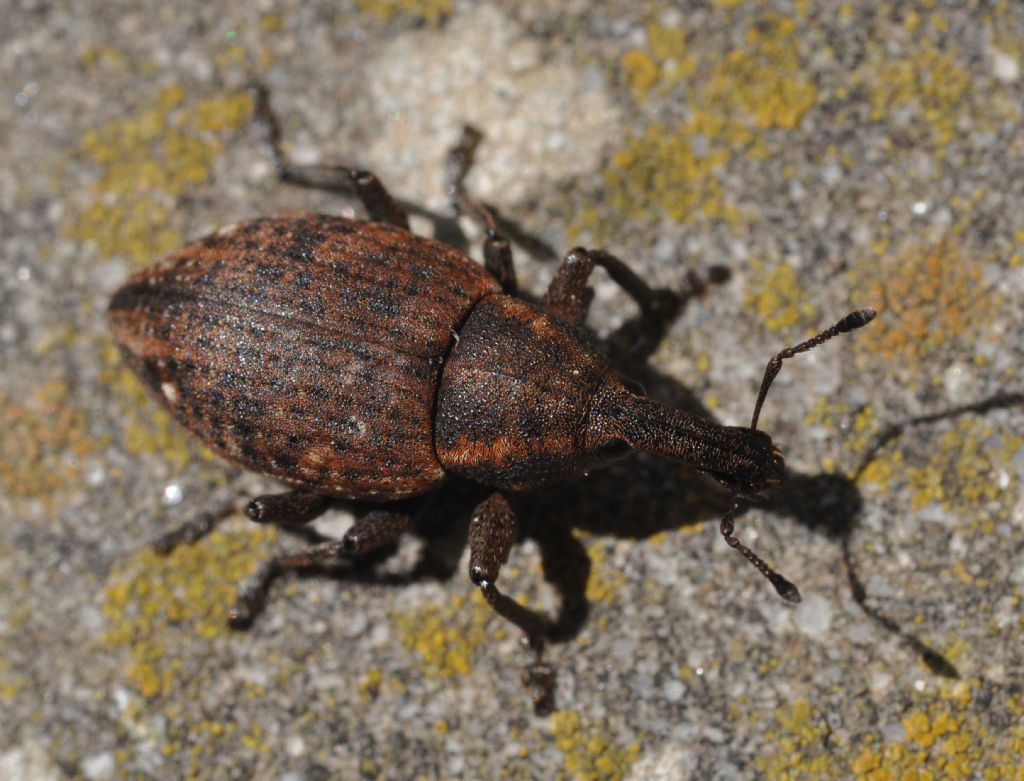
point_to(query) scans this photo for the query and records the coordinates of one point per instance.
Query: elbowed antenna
(851, 322)
(787, 590)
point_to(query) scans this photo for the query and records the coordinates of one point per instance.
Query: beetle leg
(498, 260)
(491, 534)
(196, 528)
(291, 508)
(497, 249)
(377, 201)
(374, 530)
(568, 296)
(654, 304)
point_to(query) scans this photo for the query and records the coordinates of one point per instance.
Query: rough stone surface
(833, 155)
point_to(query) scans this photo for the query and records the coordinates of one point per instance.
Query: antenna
(787, 590)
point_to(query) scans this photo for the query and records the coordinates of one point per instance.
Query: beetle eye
(613, 448)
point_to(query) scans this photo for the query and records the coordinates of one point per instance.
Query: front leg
(492, 531)
(568, 296)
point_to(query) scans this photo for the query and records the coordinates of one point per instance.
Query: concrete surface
(833, 155)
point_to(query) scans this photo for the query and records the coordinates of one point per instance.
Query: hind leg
(372, 531)
(290, 508)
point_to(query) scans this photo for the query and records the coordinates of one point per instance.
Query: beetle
(354, 360)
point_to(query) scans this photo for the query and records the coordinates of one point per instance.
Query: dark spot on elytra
(282, 461)
(384, 306)
(246, 407)
(269, 272)
(313, 307)
(299, 251)
(318, 393)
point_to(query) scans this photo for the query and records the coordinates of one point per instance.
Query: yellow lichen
(640, 71)
(927, 81)
(605, 581)
(734, 99)
(659, 171)
(931, 299)
(433, 12)
(187, 592)
(943, 737)
(763, 84)
(589, 750)
(43, 438)
(448, 637)
(776, 295)
(663, 64)
(143, 164)
(369, 684)
(11, 683)
(962, 469)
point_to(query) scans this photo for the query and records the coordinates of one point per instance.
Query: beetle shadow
(828, 503)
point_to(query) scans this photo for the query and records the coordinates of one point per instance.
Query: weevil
(355, 360)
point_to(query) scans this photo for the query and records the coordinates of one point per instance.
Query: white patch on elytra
(169, 391)
(227, 230)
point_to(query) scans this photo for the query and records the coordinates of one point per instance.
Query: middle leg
(377, 201)
(497, 250)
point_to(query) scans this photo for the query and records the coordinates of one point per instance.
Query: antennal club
(787, 590)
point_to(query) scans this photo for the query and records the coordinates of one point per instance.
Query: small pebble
(814, 615)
